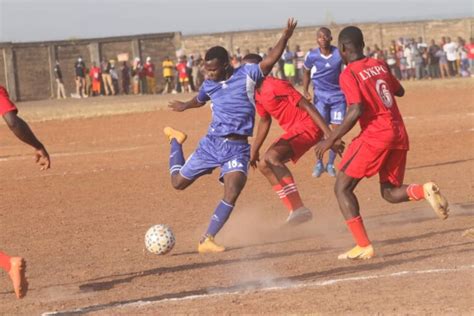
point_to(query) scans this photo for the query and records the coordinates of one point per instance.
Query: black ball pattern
(159, 239)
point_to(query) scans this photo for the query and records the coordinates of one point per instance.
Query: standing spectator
(451, 54)
(470, 55)
(433, 60)
(95, 75)
(125, 71)
(402, 63)
(195, 73)
(61, 93)
(106, 78)
(464, 66)
(418, 60)
(136, 76)
(189, 70)
(299, 55)
(168, 67)
(183, 74)
(80, 71)
(115, 78)
(289, 66)
(150, 76)
(443, 62)
(408, 53)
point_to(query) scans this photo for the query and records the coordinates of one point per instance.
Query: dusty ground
(81, 224)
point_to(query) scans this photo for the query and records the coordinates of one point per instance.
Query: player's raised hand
(177, 106)
(42, 158)
(290, 27)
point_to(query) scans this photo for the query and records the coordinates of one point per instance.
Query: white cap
(148, 58)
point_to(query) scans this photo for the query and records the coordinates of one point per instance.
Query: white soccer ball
(159, 239)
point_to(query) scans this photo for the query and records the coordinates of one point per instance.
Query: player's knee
(263, 166)
(177, 184)
(272, 159)
(387, 195)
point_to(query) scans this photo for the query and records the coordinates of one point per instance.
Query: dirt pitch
(81, 224)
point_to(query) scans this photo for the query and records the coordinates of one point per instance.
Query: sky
(43, 20)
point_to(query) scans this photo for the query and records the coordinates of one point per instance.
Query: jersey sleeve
(394, 83)
(202, 96)
(350, 87)
(254, 71)
(308, 61)
(283, 88)
(6, 105)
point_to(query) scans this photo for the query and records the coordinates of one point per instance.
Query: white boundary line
(139, 303)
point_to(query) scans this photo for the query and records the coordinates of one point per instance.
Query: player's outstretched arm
(180, 106)
(351, 118)
(262, 132)
(266, 65)
(23, 132)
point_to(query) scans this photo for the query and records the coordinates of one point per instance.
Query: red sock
(281, 194)
(291, 191)
(356, 226)
(415, 192)
(5, 262)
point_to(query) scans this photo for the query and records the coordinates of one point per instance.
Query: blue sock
(319, 162)
(332, 157)
(176, 156)
(220, 216)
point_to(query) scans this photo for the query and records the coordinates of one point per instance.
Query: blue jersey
(325, 71)
(232, 101)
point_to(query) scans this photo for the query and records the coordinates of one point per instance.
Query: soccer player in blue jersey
(231, 92)
(324, 65)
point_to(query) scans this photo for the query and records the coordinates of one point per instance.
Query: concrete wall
(26, 68)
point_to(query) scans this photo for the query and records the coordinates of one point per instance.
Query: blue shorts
(331, 109)
(215, 151)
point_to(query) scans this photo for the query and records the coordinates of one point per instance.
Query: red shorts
(363, 160)
(301, 138)
(6, 105)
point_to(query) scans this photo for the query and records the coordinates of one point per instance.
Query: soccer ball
(159, 239)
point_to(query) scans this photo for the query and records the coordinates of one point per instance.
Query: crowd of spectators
(407, 58)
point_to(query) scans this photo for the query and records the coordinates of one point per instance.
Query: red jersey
(149, 70)
(6, 105)
(94, 73)
(470, 50)
(370, 82)
(279, 99)
(181, 67)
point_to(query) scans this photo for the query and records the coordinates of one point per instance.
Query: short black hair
(323, 28)
(252, 58)
(219, 53)
(352, 35)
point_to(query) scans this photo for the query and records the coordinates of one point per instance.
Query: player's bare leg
(234, 182)
(177, 138)
(274, 169)
(349, 205)
(416, 192)
(330, 169)
(16, 269)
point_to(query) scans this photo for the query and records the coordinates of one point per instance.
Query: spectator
(189, 70)
(125, 71)
(149, 69)
(88, 88)
(470, 55)
(402, 63)
(289, 65)
(183, 75)
(200, 75)
(136, 75)
(115, 78)
(418, 60)
(95, 75)
(168, 67)
(299, 55)
(80, 71)
(410, 62)
(142, 78)
(465, 67)
(451, 54)
(61, 93)
(443, 61)
(106, 78)
(195, 73)
(433, 60)
(235, 62)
